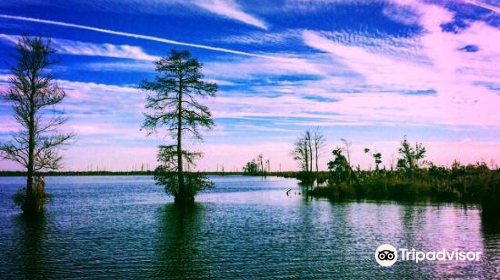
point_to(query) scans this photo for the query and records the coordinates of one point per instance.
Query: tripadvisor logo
(387, 255)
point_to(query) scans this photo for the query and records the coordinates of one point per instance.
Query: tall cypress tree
(33, 92)
(174, 104)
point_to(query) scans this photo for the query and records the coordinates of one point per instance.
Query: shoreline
(285, 174)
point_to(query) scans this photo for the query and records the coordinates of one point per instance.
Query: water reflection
(250, 229)
(31, 258)
(177, 242)
(491, 242)
(490, 226)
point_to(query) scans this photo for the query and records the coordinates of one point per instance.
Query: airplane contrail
(484, 5)
(133, 35)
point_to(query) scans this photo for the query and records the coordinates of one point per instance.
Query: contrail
(484, 5)
(133, 35)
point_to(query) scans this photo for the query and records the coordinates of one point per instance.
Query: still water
(246, 228)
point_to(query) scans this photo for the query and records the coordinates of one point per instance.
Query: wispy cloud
(64, 46)
(280, 65)
(263, 38)
(106, 50)
(120, 66)
(132, 35)
(232, 10)
(235, 68)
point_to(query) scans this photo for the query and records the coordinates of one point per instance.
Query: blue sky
(367, 71)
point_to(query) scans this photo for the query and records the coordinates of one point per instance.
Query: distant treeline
(286, 174)
(77, 173)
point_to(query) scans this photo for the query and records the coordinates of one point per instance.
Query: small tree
(173, 104)
(377, 157)
(257, 165)
(411, 157)
(251, 167)
(33, 92)
(339, 167)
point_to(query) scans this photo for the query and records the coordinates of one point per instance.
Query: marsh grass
(472, 184)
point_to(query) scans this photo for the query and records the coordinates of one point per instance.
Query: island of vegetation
(413, 179)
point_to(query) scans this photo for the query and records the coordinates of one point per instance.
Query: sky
(367, 71)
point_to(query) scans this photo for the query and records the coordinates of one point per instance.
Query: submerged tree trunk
(316, 160)
(306, 155)
(310, 157)
(182, 196)
(30, 204)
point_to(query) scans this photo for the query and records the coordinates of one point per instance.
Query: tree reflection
(491, 244)
(31, 256)
(177, 242)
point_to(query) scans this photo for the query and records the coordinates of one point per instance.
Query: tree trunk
(180, 171)
(30, 204)
(183, 197)
(306, 154)
(310, 157)
(316, 159)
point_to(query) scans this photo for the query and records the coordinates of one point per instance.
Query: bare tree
(33, 93)
(347, 149)
(174, 105)
(260, 162)
(300, 153)
(308, 139)
(303, 152)
(319, 145)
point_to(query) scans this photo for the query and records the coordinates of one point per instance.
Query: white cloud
(71, 47)
(230, 9)
(107, 50)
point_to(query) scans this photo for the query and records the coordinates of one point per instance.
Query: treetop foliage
(174, 99)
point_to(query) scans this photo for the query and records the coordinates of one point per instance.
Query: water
(247, 228)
